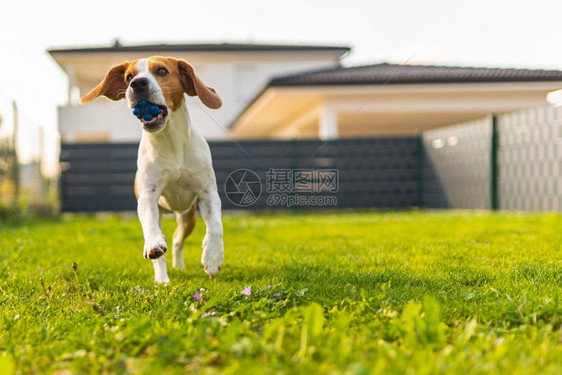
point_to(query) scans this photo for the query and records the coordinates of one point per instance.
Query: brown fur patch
(170, 83)
(136, 189)
(113, 85)
(188, 224)
(181, 78)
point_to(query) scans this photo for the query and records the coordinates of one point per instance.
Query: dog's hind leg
(186, 223)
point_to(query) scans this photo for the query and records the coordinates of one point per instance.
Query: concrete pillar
(71, 83)
(328, 123)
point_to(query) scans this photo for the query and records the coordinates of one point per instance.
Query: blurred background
(257, 52)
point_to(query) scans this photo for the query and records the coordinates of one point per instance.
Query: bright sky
(498, 33)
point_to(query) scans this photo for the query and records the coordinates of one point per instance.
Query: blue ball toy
(146, 111)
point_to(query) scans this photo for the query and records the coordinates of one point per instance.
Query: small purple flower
(197, 297)
(247, 291)
(209, 313)
(277, 295)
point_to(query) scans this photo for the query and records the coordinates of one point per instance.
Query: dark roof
(396, 74)
(221, 47)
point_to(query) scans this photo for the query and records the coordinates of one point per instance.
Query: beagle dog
(174, 166)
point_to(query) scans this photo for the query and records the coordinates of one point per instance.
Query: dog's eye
(129, 77)
(162, 71)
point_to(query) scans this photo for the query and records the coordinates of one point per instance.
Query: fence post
(294, 165)
(15, 165)
(494, 201)
(419, 170)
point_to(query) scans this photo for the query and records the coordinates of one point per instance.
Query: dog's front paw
(213, 256)
(156, 248)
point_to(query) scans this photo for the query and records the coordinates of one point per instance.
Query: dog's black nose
(139, 84)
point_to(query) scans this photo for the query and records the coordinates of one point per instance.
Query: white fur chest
(178, 195)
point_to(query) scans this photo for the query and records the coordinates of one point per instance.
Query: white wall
(238, 82)
(99, 119)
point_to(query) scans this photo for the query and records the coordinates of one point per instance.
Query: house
(387, 99)
(302, 92)
(297, 91)
(237, 71)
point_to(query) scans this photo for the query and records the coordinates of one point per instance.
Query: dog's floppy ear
(193, 86)
(113, 85)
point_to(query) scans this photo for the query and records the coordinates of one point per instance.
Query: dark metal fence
(371, 172)
(511, 161)
(98, 177)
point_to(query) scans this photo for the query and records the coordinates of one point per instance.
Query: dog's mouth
(152, 116)
(157, 120)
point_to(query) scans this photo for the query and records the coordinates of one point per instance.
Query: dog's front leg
(154, 240)
(213, 247)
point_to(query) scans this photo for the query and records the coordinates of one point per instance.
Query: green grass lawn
(335, 293)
